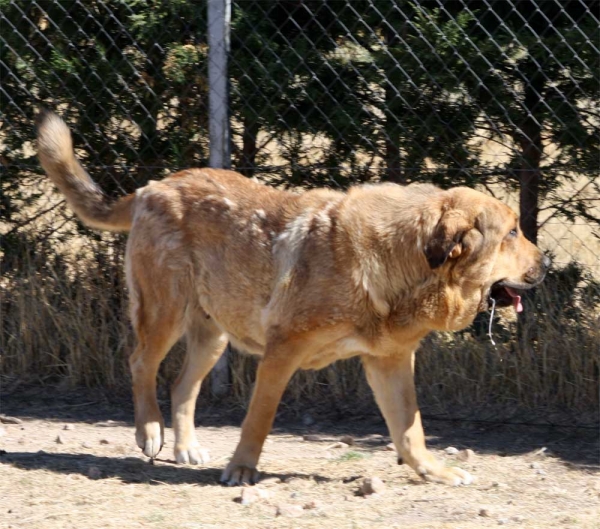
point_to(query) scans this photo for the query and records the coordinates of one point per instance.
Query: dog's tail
(55, 149)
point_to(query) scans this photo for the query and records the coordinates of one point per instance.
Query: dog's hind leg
(205, 344)
(158, 325)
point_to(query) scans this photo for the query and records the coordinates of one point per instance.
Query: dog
(300, 279)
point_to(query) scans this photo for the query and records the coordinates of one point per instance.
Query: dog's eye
(513, 232)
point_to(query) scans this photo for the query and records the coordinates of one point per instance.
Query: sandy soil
(72, 463)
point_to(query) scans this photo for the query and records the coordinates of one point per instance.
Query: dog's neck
(390, 261)
(391, 267)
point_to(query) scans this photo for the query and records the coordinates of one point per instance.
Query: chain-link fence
(501, 95)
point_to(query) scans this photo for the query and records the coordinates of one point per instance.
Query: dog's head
(477, 243)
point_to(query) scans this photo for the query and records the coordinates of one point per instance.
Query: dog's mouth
(505, 294)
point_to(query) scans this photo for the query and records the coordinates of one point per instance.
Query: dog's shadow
(128, 469)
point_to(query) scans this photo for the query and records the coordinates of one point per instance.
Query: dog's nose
(546, 262)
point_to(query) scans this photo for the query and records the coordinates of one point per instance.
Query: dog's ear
(446, 241)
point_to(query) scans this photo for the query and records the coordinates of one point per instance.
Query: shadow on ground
(127, 469)
(574, 445)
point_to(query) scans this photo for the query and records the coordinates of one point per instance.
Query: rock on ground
(372, 485)
(252, 495)
(289, 510)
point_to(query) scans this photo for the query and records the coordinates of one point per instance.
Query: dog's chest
(338, 350)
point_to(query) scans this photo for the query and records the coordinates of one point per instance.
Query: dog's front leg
(274, 372)
(392, 381)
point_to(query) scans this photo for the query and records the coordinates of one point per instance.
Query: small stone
(289, 510)
(372, 485)
(252, 495)
(5, 419)
(94, 473)
(106, 424)
(451, 451)
(499, 485)
(86, 445)
(339, 444)
(59, 440)
(466, 455)
(518, 518)
(68, 427)
(312, 437)
(104, 441)
(534, 465)
(312, 505)
(348, 439)
(540, 472)
(484, 512)
(502, 521)
(391, 447)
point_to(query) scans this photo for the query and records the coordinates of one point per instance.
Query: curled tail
(86, 199)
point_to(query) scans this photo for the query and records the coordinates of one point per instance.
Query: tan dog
(301, 280)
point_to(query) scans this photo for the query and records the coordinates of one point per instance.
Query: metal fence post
(219, 17)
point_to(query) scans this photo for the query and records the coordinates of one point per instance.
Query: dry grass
(66, 322)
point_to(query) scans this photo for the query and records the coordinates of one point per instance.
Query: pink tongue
(516, 299)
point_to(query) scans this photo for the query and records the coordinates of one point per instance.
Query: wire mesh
(499, 95)
(489, 94)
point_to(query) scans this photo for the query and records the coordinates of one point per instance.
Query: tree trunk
(530, 141)
(150, 159)
(529, 138)
(147, 166)
(247, 165)
(393, 155)
(528, 202)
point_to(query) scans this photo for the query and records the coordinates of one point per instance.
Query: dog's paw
(149, 438)
(239, 475)
(448, 475)
(191, 455)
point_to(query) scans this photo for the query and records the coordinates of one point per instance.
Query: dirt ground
(72, 462)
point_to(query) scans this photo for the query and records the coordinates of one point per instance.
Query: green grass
(352, 455)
